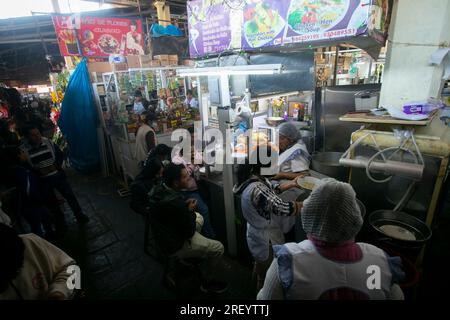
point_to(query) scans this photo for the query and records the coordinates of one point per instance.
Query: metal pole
(227, 175)
(335, 66)
(55, 5)
(38, 29)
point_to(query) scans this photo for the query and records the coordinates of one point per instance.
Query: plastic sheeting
(171, 30)
(78, 121)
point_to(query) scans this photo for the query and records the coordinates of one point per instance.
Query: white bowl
(308, 182)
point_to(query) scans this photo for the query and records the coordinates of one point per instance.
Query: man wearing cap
(329, 264)
(294, 158)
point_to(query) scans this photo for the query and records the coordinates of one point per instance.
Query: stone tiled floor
(109, 249)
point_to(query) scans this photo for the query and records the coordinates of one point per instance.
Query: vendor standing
(190, 101)
(268, 216)
(145, 137)
(140, 104)
(294, 158)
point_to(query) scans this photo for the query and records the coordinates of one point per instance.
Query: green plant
(62, 80)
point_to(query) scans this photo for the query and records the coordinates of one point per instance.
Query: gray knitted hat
(289, 130)
(331, 213)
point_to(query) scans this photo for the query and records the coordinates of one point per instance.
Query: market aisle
(109, 249)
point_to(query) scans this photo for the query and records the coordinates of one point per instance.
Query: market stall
(274, 86)
(237, 107)
(162, 89)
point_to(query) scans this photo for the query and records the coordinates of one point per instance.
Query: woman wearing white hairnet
(294, 158)
(264, 211)
(330, 265)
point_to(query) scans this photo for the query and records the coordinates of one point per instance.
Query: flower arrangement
(57, 97)
(277, 106)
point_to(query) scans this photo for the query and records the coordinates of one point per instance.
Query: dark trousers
(38, 217)
(59, 182)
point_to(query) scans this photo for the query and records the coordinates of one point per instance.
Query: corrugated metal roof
(25, 41)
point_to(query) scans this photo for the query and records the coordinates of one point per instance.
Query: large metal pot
(274, 121)
(327, 163)
(400, 224)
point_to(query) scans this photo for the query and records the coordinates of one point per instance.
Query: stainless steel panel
(334, 135)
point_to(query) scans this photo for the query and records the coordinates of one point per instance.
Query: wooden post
(163, 11)
(336, 60)
(436, 192)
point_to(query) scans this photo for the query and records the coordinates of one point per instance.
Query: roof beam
(28, 41)
(125, 3)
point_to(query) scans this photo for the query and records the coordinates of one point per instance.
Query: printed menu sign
(272, 23)
(209, 27)
(98, 36)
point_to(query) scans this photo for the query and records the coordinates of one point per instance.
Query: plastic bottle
(295, 112)
(301, 114)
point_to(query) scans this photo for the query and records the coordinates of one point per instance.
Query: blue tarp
(158, 30)
(78, 121)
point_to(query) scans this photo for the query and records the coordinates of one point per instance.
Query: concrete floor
(109, 250)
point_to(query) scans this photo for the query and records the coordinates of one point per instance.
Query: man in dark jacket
(177, 225)
(46, 159)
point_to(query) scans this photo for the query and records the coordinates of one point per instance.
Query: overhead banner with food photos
(256, 24)
(98, 36)
(209, 27)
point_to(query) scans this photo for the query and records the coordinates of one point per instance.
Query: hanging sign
(98, 36)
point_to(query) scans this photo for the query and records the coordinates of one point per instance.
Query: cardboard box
(161, 57)
(120, 67)
(190, 63)
(133, 61)
(173, 62)
(145, 59)
(151, 63)
(173, 57)
(165, 63)
(100, 67)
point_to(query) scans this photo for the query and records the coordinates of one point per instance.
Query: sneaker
(82, 218)
(213, 286)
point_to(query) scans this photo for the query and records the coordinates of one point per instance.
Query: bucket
(412, 275)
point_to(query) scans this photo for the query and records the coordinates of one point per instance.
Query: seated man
(32, 268)
(330, 265)
(192, 190)
(177, 225)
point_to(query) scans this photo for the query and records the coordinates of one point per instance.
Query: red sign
(98, 36)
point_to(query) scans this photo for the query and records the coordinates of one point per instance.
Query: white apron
(294, 159)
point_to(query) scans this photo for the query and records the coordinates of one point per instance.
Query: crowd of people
(328, 264)
(31, 170)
